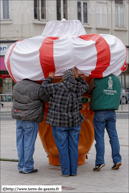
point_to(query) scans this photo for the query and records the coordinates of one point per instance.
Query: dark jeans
(102, 120)
(26, 133)
(67, 139)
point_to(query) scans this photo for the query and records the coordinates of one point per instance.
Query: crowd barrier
(6, 102)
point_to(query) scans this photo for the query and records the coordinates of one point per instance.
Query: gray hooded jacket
(28, 101)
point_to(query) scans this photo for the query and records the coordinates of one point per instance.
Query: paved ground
(87, 180)
(8, 105)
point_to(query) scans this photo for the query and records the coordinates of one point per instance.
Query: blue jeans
(102, 120)
(26, 133)
(67, 139)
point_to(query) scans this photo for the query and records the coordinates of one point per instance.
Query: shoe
(98, 167)
(73, 174)
(65, 175)
(33, 171)
(116, 166)
(20, 171)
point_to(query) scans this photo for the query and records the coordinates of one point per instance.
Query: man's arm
(85, 86)
(47, 86)
(48, 80)
(43, 95)
(91, 85)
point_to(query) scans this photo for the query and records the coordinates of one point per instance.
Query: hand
(51, 74)
(91, 85)
(76, 72)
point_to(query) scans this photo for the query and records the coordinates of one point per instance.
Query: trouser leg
(20, 143)
(114, 141)
(73, 148)
(99, 126)
(61, 140)
(30, 135)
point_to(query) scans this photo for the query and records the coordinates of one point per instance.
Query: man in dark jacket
(65, 117)
(28, 110)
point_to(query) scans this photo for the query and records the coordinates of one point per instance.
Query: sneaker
(33, 171)
(64, 175)
(116, 166)
(98, 167)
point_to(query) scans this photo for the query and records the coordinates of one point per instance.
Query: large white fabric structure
(63, 45)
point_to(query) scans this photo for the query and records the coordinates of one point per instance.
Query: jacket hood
(71, 85)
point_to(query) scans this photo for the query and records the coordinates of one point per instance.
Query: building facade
(25, 19)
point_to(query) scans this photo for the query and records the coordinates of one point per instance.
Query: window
(62, 9)
(4, 9)
(119, 1)
(101, 14)
(40, 9)
(119, 13)
(82, 11)
(124, 79)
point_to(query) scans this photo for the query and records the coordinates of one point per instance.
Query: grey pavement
(106, 180)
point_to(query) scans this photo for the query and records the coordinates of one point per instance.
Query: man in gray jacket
(28, 110)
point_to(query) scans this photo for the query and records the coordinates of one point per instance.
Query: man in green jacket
(104, 101)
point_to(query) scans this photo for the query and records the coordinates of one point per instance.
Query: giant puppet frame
(63, 45)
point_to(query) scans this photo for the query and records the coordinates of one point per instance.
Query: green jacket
(106, 94)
